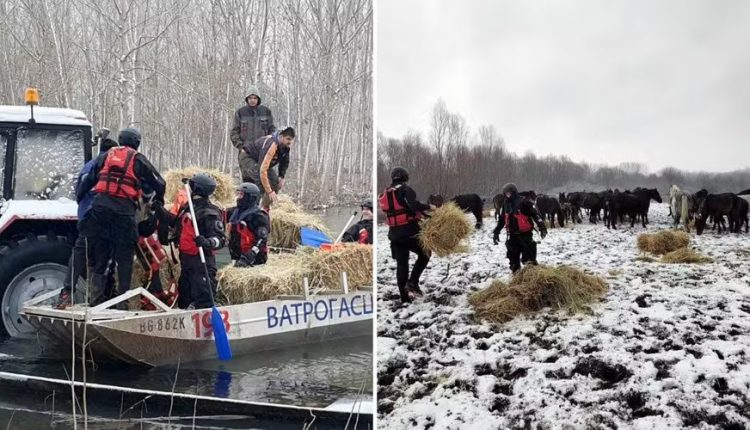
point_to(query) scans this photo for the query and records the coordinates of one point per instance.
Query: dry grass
(444, 232)
(645, 258)
(225, 188)
(534, 288)
(685, 255)
(355, 260)
(283, 274)
(663, 241)
(287, 218)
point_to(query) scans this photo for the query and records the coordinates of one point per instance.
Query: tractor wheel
(29, 266)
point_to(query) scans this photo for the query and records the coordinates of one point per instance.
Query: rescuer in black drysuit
(195, 291)
(118, 178)
(361, 232)
(517, 216)
(249, 227)
(402, 214)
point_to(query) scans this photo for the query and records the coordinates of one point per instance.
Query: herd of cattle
(613, 207)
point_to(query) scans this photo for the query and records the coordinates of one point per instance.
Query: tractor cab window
(47, 163)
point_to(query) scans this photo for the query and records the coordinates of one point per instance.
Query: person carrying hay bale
(263, 154)
(193, 287)
(518, 215)
(402, 213)
(445, 231)
(249, 227)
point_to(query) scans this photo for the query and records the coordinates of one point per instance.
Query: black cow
(715, 205)
(548, 207)
(739, 215)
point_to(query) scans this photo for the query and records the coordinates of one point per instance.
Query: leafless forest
(452, 159)
(178, 69)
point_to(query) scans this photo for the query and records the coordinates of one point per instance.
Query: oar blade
(223, 350)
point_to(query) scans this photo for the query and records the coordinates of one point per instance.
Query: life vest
(364, 235)
(152, 251)
(396, 214)
(242, 238)
(186, 232)
(117, 177)
(524, 223)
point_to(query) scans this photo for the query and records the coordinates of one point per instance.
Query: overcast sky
(657, 82)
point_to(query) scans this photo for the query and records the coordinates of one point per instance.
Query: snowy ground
(668, 347)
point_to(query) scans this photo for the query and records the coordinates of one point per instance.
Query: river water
(310, 375)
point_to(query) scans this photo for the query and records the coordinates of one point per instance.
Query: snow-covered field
(668, 347)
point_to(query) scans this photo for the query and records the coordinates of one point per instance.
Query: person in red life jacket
(195, 291)
(249, 226)
(402, 214)
(361, 232)
(517, 216)
(117, 179)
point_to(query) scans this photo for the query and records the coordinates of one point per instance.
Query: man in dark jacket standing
(361, 232)
(118, 178)
(251, 122)
(517, 216)
(402, 214)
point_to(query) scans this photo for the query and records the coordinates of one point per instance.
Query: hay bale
(685, 255)
(354, 259)
(225, 186)
(534, 288)
(282, 274)
(287, 218)
(663, 241)
(445, 230)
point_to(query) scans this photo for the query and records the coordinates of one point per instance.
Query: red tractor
(42, 151)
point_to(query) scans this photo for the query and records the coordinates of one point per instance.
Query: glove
(202, 241)
(495, 238)
(543, 233)
(245, 260)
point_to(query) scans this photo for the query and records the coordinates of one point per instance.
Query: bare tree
(453, 163)
(178, 69)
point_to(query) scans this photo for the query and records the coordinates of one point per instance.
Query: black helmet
(130, 137)
(367, 204)
(510, 187)
(202, 184)
(399, 174)
(249, 188)
(250, 195)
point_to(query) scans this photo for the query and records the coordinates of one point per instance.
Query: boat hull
(162, 338)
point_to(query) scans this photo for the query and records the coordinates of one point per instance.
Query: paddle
(343, 230)
(221, 340)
